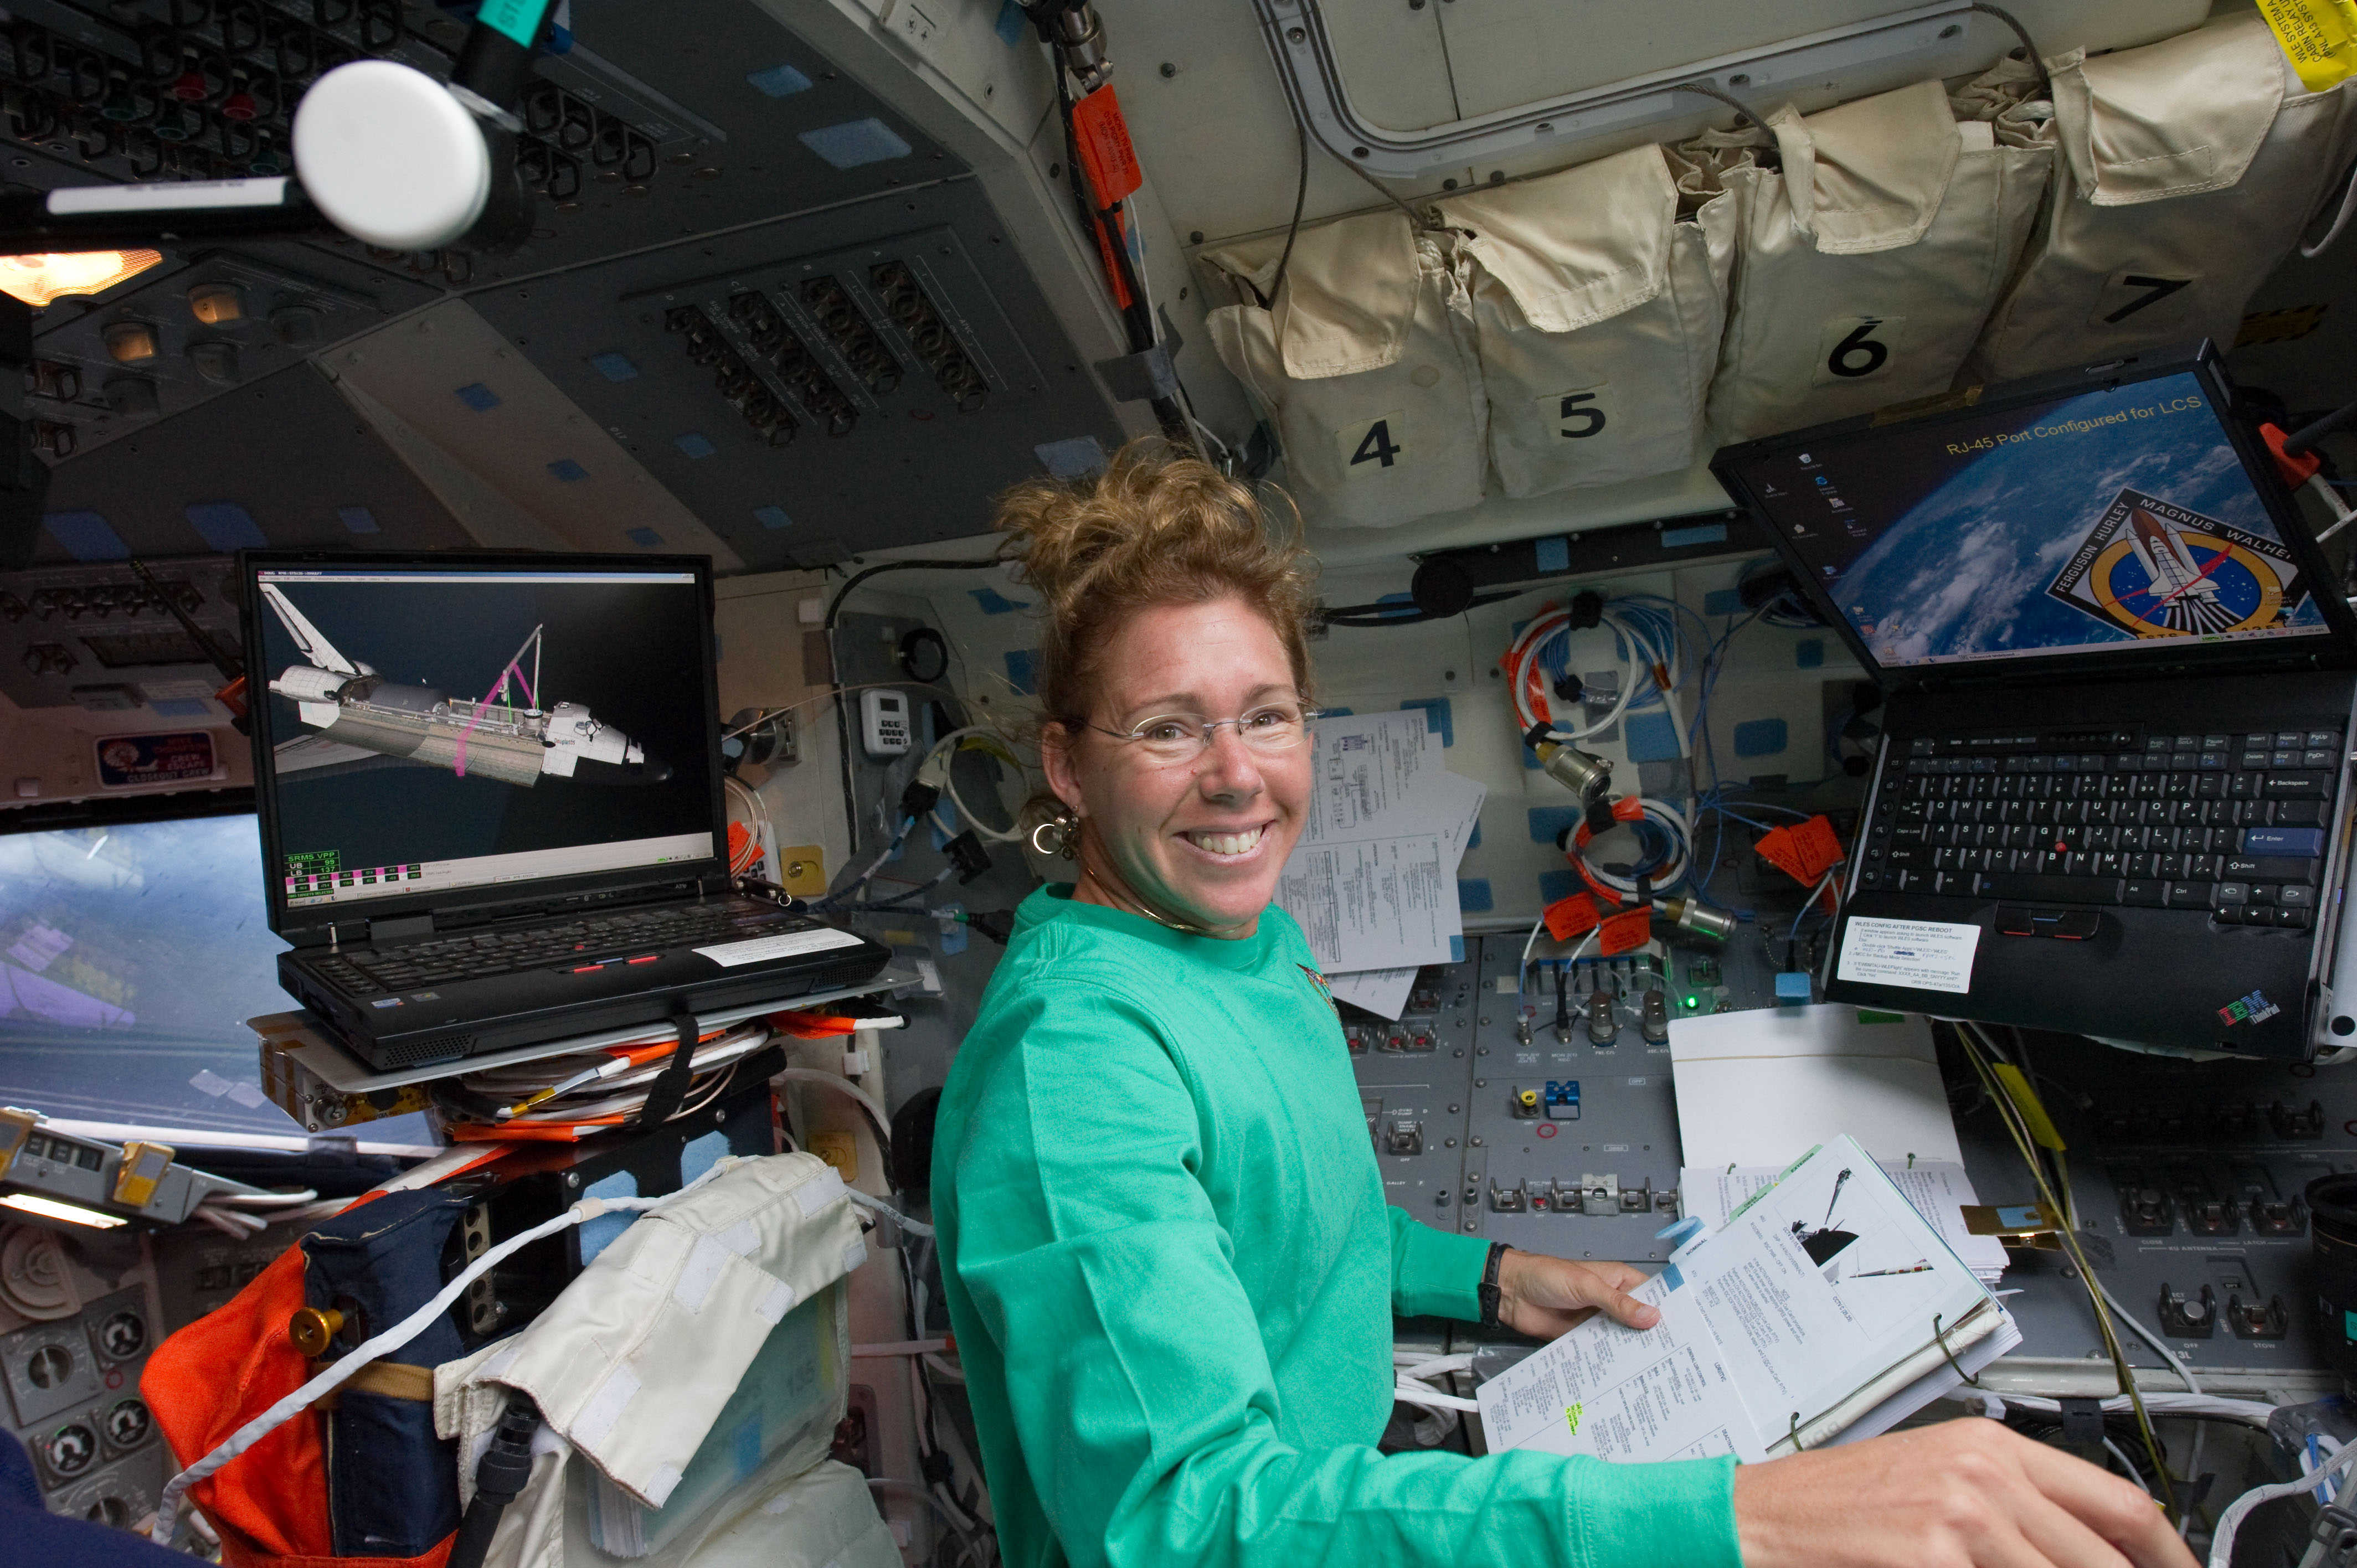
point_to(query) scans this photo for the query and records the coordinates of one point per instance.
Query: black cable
(835, 605)
(1743, 115)
(2029, 48)
(1300, 196)
(1401, 613)
(2308, 434)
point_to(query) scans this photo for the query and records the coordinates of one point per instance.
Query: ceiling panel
(909, 467)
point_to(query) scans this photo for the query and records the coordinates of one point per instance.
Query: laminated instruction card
(1824, 1309)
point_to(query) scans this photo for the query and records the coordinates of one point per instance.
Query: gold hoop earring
(1061, 834)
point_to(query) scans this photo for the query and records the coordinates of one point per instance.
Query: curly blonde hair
(1159, 526)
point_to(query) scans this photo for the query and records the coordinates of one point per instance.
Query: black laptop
(491, 803)
(2110, 797)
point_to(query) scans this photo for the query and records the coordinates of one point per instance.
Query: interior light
(39, 279)
(131, 342)
(216, 304)
(71, 1213)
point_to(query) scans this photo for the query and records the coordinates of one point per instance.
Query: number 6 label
(1373, 445)
(1857, 348)
(1577, 415)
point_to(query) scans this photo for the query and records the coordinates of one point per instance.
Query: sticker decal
(2252, 1009)
(1916, 955)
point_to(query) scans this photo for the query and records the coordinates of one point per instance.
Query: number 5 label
(1373, 445)
(1577, 415)
(1857, 349)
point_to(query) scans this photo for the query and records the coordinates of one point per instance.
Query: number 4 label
(1577, 415)
(1857, 349)
(1373, 445)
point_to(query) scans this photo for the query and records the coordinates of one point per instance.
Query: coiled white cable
(1645, 666)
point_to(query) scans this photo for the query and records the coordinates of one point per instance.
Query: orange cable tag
(1804, 852)
(1567, 917)
(1102, 137)
(1624, 933)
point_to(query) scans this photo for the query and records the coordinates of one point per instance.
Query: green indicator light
(1691, 1001)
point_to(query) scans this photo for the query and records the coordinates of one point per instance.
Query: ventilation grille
(433, 1048)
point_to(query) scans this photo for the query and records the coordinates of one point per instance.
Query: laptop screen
(434, 730)
(2092, 523)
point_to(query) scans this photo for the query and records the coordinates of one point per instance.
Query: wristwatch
(1492, 1296)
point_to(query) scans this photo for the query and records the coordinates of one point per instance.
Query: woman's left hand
(1543, 1296)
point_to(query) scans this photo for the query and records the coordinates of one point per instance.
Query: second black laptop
(2110, 796)
(490, 802)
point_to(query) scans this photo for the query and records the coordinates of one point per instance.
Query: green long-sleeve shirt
(1172, 1274)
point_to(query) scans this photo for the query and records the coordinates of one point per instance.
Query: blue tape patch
(1546, 822)
(1076, 457)
(1023, 670)
(1556, 885)
(779, 81)
(1437, 718)
(644, 538)
(598, 1234)
(995, 603)
(86, 536)
(1677, 1276)
(614, 365)
(1762, 737)
(568, 470)
(694, 444)
(949, 935)
(773, 516)
(1722, 602)
(700, 1154)
(357, 519)
(1012, 27)
(1474, 840)
(1809, 653)
(1792, 988)
(477, 396)
(178, 707)
(1694, 533)
(227, 526)
(1650, 736)
(855, 141)
(1337, 713)
(1456, 949)
(1473, 896)
(1551, 554)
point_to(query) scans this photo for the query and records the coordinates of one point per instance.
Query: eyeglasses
(1168, 738)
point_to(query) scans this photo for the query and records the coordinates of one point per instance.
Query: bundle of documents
(1755, 1088)
(1372, 881)
(1824, 1310)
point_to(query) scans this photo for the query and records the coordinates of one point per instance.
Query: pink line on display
(498, 686)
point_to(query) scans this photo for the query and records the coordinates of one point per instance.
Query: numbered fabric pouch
(1869, 261)
(1598, 312)
(2185, 171)
(1366, 366)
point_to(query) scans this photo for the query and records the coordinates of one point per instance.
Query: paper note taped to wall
(1918, 955)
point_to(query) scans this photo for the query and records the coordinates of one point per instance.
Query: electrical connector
(966, 854)
(918, 798)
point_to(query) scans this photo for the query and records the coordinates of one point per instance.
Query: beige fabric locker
(2185, 171)
(1598, 308)
(1366, 366)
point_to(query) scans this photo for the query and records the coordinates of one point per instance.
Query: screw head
(1295, 35)
(1195, 236)
(1168, 70)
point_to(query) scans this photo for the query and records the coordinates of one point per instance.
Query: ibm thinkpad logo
(2252, 1009)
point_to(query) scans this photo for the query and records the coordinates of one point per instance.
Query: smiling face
(1201, 840)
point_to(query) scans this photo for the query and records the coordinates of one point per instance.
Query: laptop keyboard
(2232, 825)
(585, 946)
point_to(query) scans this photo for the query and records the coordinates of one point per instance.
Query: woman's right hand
(1962, 1494)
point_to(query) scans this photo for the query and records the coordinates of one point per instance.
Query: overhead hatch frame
(1932, 38)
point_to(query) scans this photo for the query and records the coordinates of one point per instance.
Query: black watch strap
(1492, 1296)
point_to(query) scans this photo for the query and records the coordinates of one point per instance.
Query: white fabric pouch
(1365, 364)
(1869, 261)
(1597, 309)
(2186, 169)
(634, 1360)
